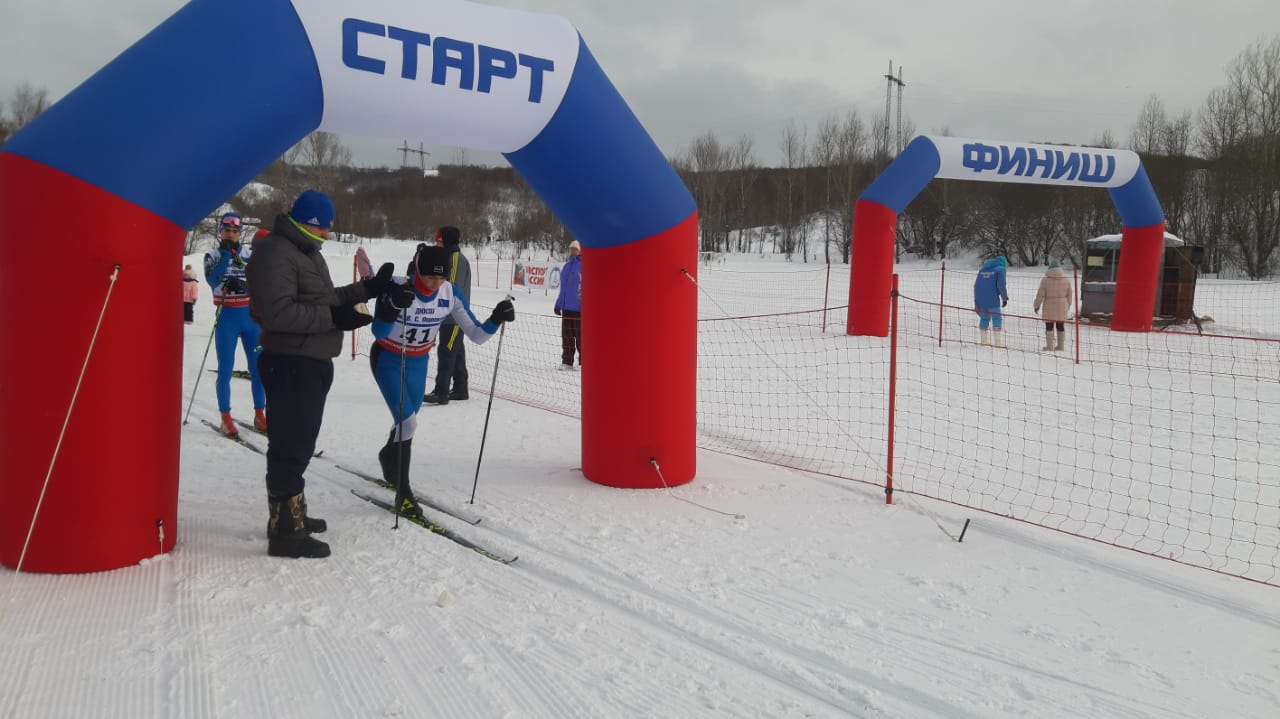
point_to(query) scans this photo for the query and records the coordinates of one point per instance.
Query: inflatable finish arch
(115, 172)
(875, 215)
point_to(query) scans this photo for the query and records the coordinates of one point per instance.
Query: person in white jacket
(406, 324)
(1057, 296)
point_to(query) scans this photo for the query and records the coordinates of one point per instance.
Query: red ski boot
(229, 425)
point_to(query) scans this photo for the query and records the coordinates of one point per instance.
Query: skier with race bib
(224, 269)
(407, 321)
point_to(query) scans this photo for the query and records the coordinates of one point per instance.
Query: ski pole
(404, 324)
(497, 356)
(217, 315)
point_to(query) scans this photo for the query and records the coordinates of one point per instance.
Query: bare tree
(840, 149)
(284, 175)
(825, 153)
(1202, 220)
(325, 157)
(1148, 132)
(791, 191)
(25, 104)
(1106, 141)
(882, 150)
(704, 165)
(1240, 136)
(740, 161)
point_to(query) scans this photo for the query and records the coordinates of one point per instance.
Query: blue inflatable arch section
(117, 170)
(1120, 172)
(182, 118)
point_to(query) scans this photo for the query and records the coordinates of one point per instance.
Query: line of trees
(1215, 171)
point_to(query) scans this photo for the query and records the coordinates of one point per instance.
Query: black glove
(384, 310)
(350, 317)
(400, 295)
(380, 282)
(504, 312)
(1005, 303)
(234, 286)
(557, 311)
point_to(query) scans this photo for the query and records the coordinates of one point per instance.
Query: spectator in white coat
(1056, 296)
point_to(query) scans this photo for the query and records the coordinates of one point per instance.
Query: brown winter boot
(1062, 340)
(1000, 338)
(315, 525)
(1048, 341)
(287, 535)
(986, 336)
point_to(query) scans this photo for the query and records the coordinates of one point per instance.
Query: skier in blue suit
(989, 295)
(406, 323)
(224, 269)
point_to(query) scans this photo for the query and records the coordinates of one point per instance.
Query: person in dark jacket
(989, 295)
(451, 352)
(569, 307)
(302, 316)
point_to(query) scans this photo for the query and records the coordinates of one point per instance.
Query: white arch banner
(456, 73)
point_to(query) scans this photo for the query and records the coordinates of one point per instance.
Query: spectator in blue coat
(989, 295)
(569, 308)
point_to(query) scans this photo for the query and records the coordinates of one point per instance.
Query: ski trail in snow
(808, 675)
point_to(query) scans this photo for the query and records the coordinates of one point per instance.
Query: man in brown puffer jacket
(1057, 296)
(302, 316)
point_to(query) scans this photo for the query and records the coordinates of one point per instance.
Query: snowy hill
(821, 602)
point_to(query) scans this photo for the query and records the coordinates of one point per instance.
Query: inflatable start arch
(875, 216)
(115, 172)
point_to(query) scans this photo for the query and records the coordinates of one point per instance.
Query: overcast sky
(1029, 70)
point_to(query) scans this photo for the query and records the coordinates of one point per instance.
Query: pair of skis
(240, 439)
(434, 528)
(237, 373)
(423, 500)
(235, 437)
(423, 522)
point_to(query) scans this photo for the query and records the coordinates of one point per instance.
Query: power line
(421, 153)
(890, 81)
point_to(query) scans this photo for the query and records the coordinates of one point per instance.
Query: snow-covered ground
(821, 602)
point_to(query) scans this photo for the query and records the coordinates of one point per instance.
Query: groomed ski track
(622, 604)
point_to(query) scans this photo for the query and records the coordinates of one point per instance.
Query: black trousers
(570, 336)
(451, 362)
(296, 391)
(189, 311)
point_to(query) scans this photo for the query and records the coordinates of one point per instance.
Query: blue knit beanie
(1054, 263)
(313, 208)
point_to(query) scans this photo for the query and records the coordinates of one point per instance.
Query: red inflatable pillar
(871, 268)
(115, 482)
(1138, 278)
(640, 367)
